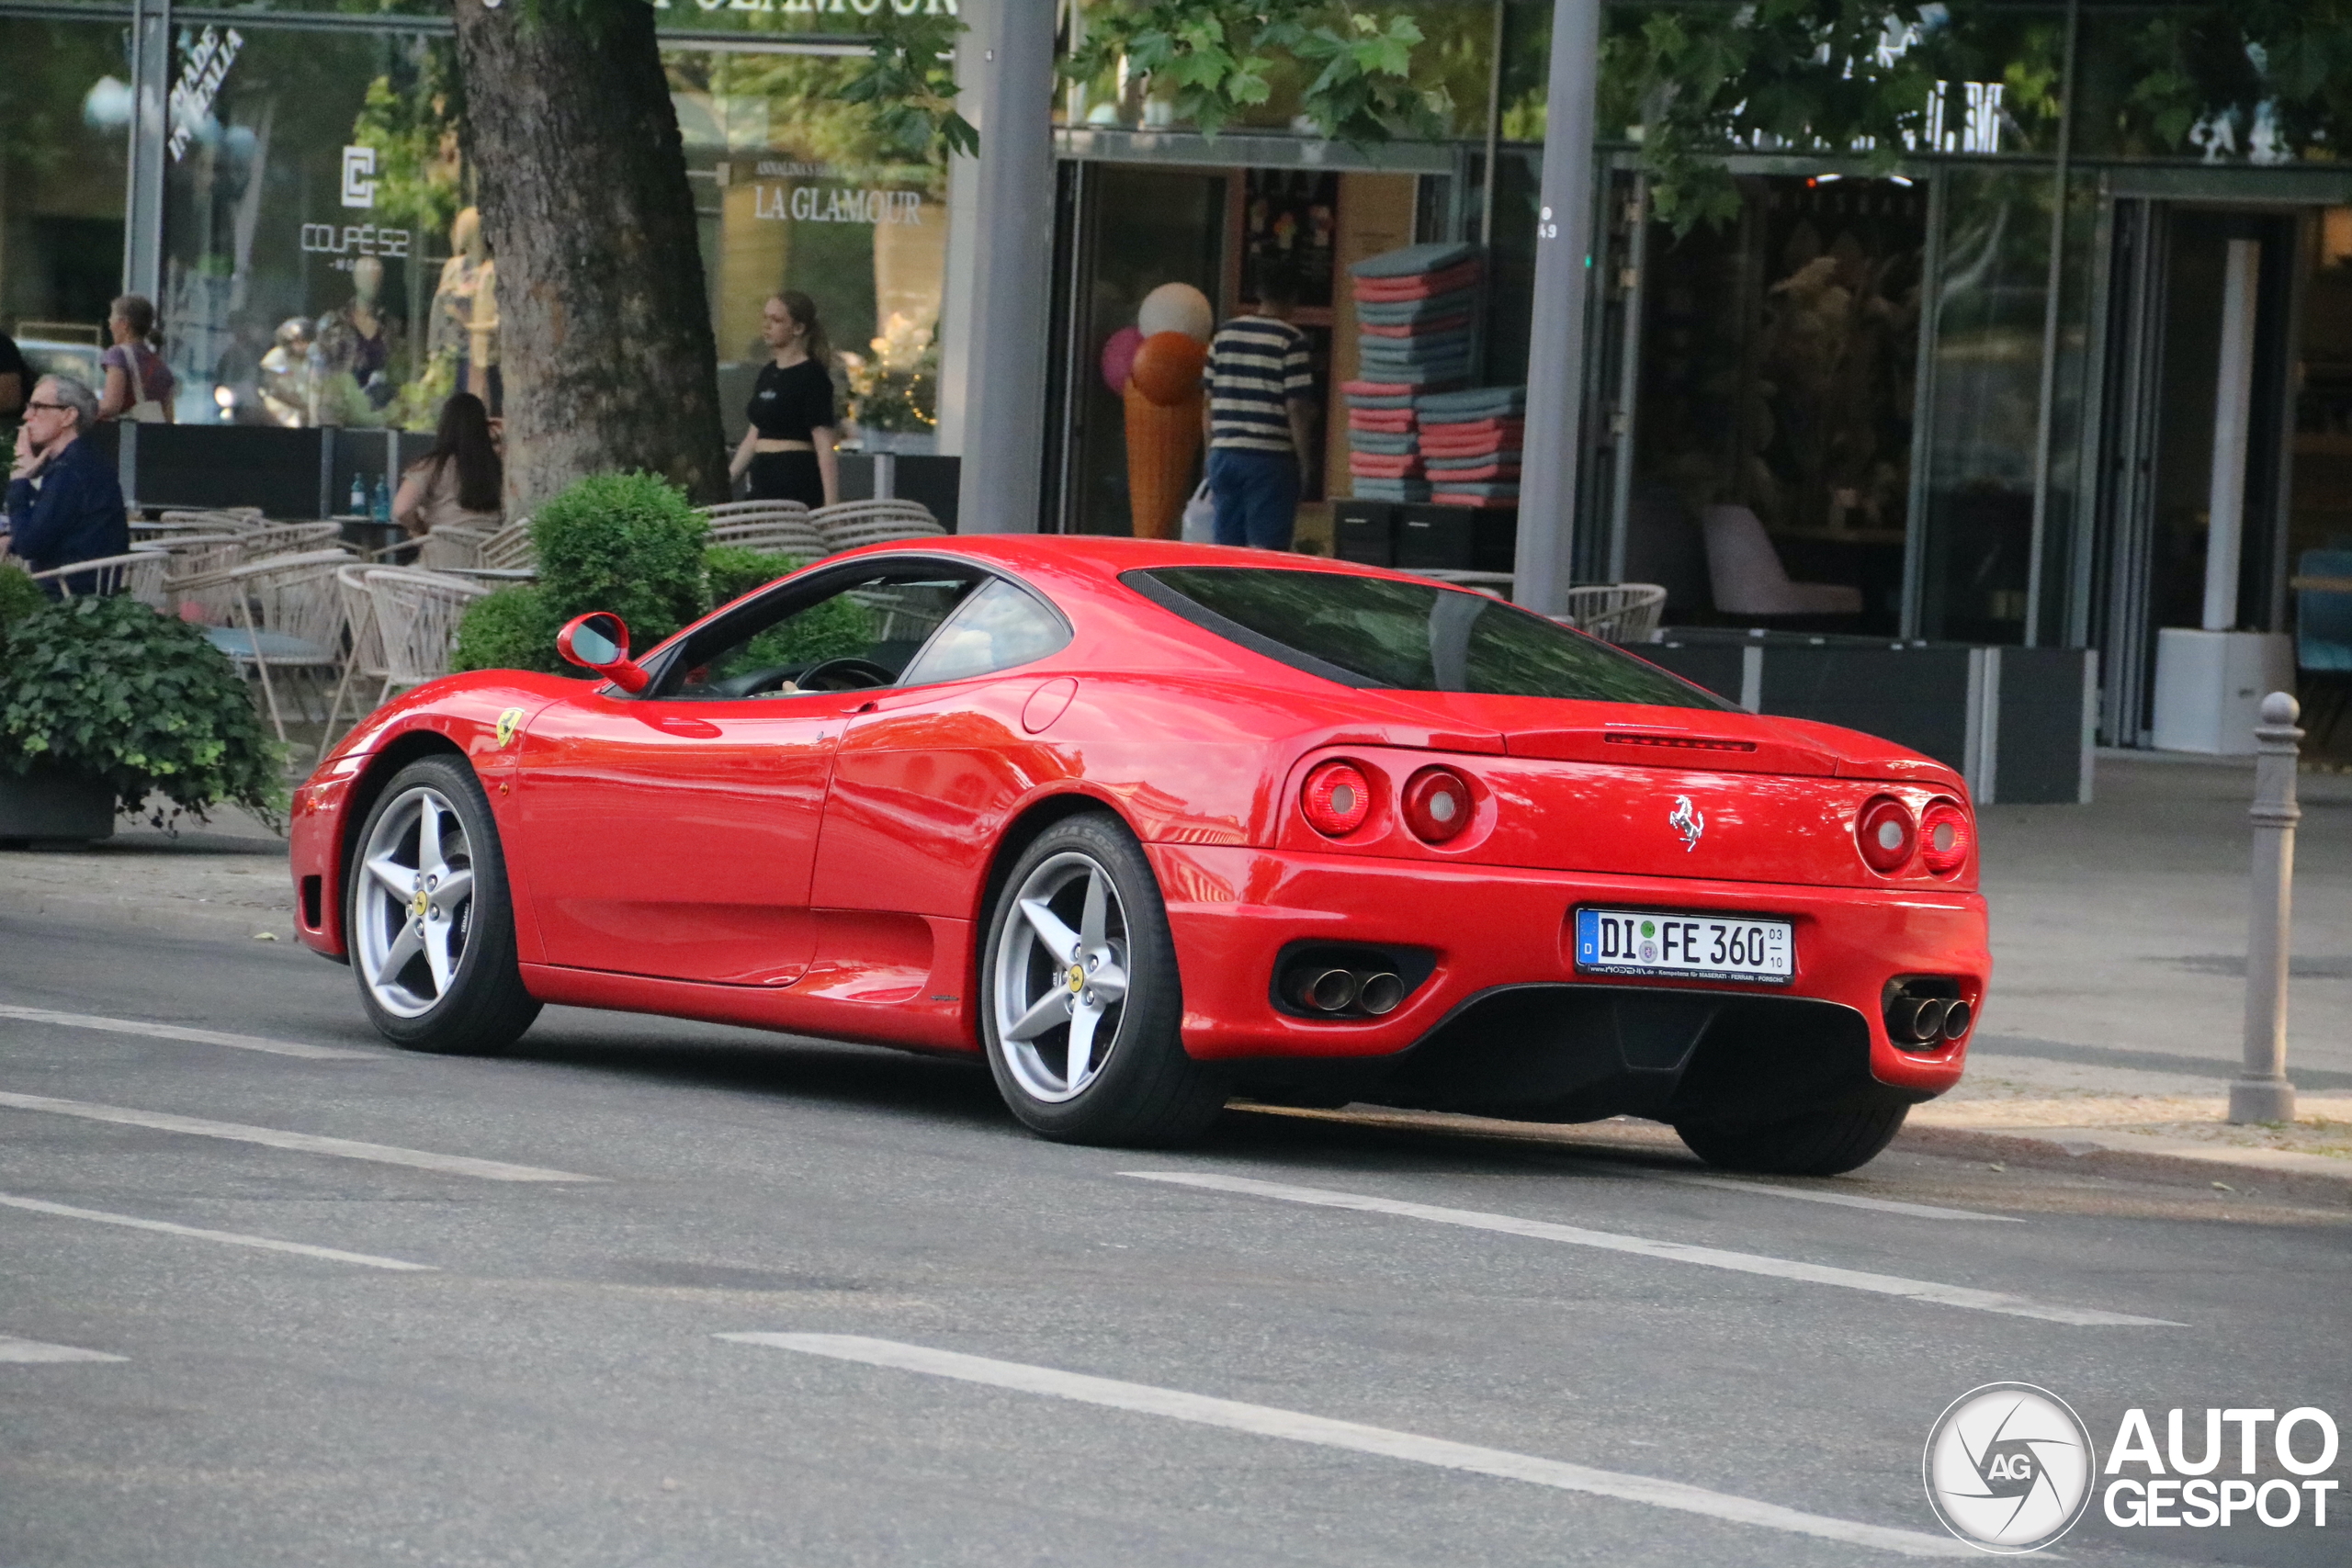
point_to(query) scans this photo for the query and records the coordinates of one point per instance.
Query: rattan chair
(1617, 612)
(193, 584)
(416, 615)
(841, 514)
(511, 548)
(787, 534)
(450, 545)
(281, 613)
(139, 574)
(364, 643)
(290, 538)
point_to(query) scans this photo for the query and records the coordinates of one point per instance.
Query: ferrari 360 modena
(1152, 826)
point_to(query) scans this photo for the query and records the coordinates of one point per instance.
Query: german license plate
(1695, 947)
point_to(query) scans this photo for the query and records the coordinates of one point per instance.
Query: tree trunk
(604, 337)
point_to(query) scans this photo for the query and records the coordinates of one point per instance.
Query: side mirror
(599, 641)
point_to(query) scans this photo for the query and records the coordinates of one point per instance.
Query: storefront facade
(1977, 389)
(300, 211)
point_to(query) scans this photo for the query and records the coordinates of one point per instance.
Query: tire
(1135, 1086)
(1818, 1143)
(444, 979)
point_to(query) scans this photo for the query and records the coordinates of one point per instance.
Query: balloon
(1119, 357)
(1177, 308)
(1168, 368)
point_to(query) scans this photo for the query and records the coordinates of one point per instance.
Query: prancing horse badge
(1687, 820)
(508, 723)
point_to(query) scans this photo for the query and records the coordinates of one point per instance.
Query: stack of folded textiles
(1414, 313)
(1470, 444)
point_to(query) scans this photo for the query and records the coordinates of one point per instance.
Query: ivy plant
(139, 701)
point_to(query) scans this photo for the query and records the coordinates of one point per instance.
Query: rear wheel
(1083, 1005)
(428, 920)
(1818, 1143)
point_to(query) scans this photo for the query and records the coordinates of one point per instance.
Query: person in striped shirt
(1261, 396)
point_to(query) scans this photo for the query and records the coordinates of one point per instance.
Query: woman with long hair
(461, 480)
(138, 386)
(788, 450)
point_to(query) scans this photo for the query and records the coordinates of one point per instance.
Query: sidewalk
(2108, 1040)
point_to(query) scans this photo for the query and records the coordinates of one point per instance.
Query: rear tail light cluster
(1437, 805)
(1337, 798)
(1890, 837)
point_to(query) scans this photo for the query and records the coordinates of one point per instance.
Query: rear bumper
(1231, 910)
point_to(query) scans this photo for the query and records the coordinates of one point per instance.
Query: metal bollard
(2261, 1092)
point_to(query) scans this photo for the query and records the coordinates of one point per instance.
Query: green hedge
(626, 542)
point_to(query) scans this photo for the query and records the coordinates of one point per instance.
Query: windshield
(1413, 637)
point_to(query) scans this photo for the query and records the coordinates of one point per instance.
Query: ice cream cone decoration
(1162, 441)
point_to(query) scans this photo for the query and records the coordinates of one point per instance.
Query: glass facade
(65, 101)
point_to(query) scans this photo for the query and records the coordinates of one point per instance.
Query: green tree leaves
(1215, 59)
(909, 81)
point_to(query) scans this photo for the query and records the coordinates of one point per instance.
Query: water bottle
(383, 508)
(358, 495)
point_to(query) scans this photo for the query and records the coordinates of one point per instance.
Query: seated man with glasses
(64, 501)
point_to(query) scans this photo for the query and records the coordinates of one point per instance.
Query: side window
(861, 634)
(997, 628)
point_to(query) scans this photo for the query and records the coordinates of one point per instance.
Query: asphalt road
(994, 1350)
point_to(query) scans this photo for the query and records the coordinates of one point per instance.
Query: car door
(673, 834)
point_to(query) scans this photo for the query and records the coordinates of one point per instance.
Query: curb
(2104, 1151)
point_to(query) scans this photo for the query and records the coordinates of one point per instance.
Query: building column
(1554, 445)
(1005, 66)
(142, 207)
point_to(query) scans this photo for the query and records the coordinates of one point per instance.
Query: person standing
(1260, 404)
(138, 385)
(461, 480)
(64, 501)
(788, 450)
(15, 380)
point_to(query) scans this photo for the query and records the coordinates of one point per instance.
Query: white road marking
(14, 1350)
(304, 1143)
(1673, 1251)
(195, 1036)
(304, 1249)
(1843, 1200)
(1267, 1421)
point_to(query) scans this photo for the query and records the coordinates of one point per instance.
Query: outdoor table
(2322, 584)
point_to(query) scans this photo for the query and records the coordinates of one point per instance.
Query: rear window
(1413, 637)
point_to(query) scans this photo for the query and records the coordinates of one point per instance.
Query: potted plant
(104, 703)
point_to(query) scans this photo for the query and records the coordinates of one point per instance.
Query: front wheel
(1817, 1143)
(429, 922)
(1083, 1005)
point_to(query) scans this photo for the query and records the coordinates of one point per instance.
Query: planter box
(1365, 531)
(47, 804)
(2015, 722)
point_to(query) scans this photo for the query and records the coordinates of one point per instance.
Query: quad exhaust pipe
(1373, 992)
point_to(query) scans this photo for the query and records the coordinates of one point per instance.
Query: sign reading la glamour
(812, 204)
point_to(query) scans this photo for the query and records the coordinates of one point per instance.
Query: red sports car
(1152, 825)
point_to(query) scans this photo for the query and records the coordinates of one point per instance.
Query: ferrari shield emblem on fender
(508, 723)
(1688, 820)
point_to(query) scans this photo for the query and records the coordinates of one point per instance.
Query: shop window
(320, 265)
(1777, 377)
(796, 190)
(65, 104)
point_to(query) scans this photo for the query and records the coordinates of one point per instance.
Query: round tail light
(1437, 804)
(1946, 836)
(1336, 798)
(1887, 835)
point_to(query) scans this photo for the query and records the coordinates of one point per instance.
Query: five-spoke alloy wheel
(1082, 1002)
(430, 928)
